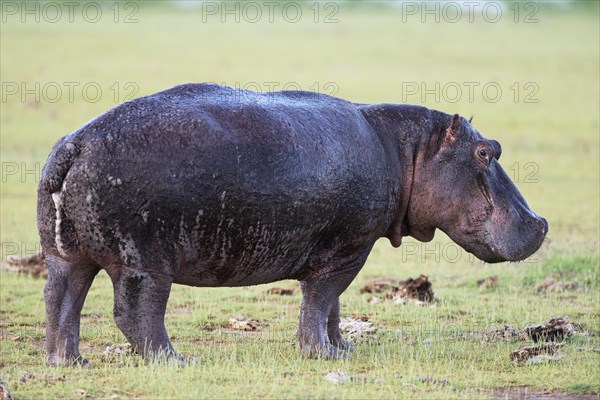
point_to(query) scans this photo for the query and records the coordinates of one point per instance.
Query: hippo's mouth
(485, 191)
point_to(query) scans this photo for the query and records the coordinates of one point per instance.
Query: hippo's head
(460, 188)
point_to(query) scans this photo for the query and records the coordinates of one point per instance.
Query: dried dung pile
(338, 377)
(557, 329)
(277, 291)
(243, 323)
(552, 285)
(488, 283)
(31, 265)
(379, 285)
(115, 351)
(354, 328)
(537, 354)
(419, 290)
(507, 333)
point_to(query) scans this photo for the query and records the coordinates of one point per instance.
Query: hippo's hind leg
(64, 294)
(317, 336)
(139, 311)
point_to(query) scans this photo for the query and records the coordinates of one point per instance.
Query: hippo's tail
(56, 230)
(60, 160)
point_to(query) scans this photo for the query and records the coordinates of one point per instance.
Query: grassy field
(535, 88)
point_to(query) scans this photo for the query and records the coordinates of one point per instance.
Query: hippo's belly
(243, 239)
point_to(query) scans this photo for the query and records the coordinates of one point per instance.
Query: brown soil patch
(526, 393)
(31, 265)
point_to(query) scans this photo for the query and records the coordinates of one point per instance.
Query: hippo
(210, 186)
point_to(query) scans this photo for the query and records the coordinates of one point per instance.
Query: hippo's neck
(405, 131)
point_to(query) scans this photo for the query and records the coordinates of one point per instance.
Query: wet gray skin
(205, 185)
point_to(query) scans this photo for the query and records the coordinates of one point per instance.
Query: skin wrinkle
(211, 186)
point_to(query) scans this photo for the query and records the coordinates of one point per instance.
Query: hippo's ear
(471, 119)
(453, 130)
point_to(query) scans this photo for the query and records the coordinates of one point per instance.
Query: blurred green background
(528, 74)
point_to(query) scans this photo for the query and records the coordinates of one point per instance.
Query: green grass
(369, 56)
(266, 364)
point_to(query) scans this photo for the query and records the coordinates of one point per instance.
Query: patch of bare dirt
(30, 265)
(526, 393)
(418, 290)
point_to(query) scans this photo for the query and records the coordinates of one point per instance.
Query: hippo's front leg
(139, 310)
(317, 336)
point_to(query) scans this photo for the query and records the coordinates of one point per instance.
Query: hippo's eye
(484, 154)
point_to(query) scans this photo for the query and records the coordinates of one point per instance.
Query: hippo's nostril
(543, 224)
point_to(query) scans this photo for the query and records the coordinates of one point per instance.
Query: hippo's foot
(328, 352)
(54, 360)
(171, 358)
(342, 344)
